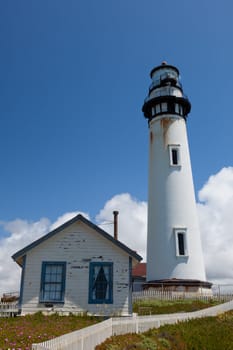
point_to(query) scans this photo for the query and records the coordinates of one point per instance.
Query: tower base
(179, 285)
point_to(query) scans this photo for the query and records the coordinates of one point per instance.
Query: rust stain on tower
(151, 137)
(165, 124)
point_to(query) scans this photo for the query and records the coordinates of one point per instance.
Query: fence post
(82, 341)
(136, 324)
(111, 326)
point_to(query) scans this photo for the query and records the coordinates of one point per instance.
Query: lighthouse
(174, 253)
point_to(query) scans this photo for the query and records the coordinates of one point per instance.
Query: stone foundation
(180, 286)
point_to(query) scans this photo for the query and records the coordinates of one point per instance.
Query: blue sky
(73, 78)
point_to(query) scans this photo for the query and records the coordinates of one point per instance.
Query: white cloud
(216, 223)
(132, 221)
(20, 234)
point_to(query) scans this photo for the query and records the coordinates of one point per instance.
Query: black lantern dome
(165, 93)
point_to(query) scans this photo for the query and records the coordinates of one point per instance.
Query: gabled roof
(139, 270)
(18, 255)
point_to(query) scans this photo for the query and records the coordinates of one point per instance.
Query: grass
(210, 333)
(155, 306)
(20, 332)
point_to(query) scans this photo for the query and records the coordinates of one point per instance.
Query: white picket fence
(173, 296)
(88, 338)
(83, 339)
(8, 309)
(140, 324)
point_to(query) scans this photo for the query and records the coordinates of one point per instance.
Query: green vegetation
(155, 306)
(20, 332)
(210, 333)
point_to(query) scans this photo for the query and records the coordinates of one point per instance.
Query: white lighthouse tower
(174, 252)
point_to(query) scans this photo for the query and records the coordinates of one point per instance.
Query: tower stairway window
(174, 156)
(181, 242)
(174, 152)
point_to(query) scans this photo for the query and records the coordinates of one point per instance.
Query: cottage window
(181, 242)
(53, 282)
(101, 283)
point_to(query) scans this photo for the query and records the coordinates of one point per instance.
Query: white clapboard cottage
(77, 268)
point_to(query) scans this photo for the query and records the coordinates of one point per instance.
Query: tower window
(177, 109)
(158, 109)
(174, 152)
(180, 237)
(171, 108)
(181, 110)
(174, 156)
(164, 107)
(181, 242)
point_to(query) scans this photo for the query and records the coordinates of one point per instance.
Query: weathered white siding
(78, 245)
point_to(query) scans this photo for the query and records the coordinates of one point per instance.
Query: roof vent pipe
(115, 214)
